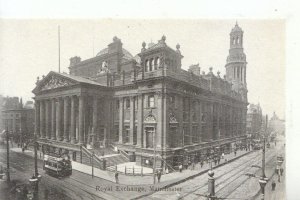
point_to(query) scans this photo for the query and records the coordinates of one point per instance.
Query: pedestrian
(180, 168)
(186, 165)
(223, 155)
(193, 166)
(234, 152)
(201, 163)
(219, 159)
(158, 175)
(167, 170)
(117, 177)
(281, 171)
(273, 185)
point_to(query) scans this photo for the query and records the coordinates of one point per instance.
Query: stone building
(277, 125)
(254, 120)
(18, 119)
(146, 105)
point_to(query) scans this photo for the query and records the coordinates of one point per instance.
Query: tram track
(71, 189)
(237, 171)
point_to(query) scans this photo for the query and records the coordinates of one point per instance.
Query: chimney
(74, 60)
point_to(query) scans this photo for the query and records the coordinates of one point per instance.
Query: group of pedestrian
(279, 173)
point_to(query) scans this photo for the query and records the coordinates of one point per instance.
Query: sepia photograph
(140, 108)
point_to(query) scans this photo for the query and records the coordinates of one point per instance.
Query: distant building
(254, 120)
(277, 125)
(146, 105)
(18, 119)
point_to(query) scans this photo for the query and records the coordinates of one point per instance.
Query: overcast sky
(29, 48)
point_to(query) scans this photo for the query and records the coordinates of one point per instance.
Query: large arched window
(147, 65)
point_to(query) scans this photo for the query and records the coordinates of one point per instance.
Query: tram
(57, 165)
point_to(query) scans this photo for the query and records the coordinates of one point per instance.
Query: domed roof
(126, 53)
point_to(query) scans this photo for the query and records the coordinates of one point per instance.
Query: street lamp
(211, 183)
(262, 183)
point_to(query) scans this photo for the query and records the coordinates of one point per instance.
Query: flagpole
(59, 49)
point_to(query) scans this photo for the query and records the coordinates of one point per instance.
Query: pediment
(56, 82)
(53, 81)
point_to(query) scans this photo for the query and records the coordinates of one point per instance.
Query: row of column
(56, 118)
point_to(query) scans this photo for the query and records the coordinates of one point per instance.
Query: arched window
(158, 61)
(233, 40)
(151, 64)
(237, 40)
(146, 65)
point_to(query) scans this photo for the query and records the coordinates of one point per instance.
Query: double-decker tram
(57, 165)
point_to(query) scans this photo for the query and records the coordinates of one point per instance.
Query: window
(149, 131)
(172, 100)
(117, 104)
(127, 103)
(151, 101)
(127, 134)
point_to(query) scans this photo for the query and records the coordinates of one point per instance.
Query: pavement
(167, 180)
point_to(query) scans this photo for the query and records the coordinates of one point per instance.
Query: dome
(126, 53)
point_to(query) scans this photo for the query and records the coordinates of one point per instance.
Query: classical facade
(18, 119)
(146, 105)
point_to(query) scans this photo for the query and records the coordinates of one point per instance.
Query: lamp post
(7, 150)
(263, 179)
(211, 183)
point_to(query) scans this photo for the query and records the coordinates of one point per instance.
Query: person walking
(158, 176)
(201, 163)
(281, 171)
(117, 177)
(180, 168)
(273, 185)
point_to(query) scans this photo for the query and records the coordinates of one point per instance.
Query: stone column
(199, 122)
(53, 119)
(132, 119)
(211, 118)
(37, 118)
(121, 119)
(109, 109)
(95, 119)
(42, 119)
(47, 119)
(59, 119)
(191, 112)
(73, 120)
(66, 119)
(218, 107)
(180, 121)
(81, 119)
(140, 118)
(159, 131)
(166, 121)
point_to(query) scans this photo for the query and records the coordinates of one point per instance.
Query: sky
(29, 48)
